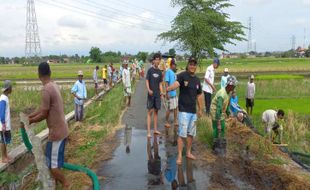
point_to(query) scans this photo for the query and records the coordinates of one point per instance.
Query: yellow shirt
(104, 73)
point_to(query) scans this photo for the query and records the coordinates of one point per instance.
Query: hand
(213, 88)
(167, 96)
(3, 127)
(150, 92)
(22, 125)
(199, 113)
(162, 96)
(219, 125)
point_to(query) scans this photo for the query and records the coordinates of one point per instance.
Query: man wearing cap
(271, 119)
(250, 93)
(208, 84)
(220, 106)
(80, 94)
(5, 123)
(190, 95)
(224, 78)
(126, 82)
(172, 99)
(52, 109)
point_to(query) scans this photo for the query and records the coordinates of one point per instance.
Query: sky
(74, 26)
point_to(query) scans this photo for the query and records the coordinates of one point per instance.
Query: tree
(202, 26)
(95, 54)
(142, 56)
(307, 53)
(172, 52)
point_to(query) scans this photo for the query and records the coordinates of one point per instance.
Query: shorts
(153, 102)
(105, 81)
(187, 124)
(249, 102)
(96, 85)
(55, 154)
(5, 137)
(127, 91)
(172, 103)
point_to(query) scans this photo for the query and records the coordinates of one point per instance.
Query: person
(190, 93)
(220, 106)
(172, 99)
(126, 83)
(155, 93)
(141, 69)
(95, 78)
(208, 84)
(115, 76)
(250, 93)
(52, 109)
(127, 138)
(154, 160)
(234, 106)
(271, 119)
(110, 74)
(134, 71)
(5, 117)
(224, 78)
(80, 94)
(104, 76)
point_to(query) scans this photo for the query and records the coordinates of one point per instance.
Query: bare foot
(167, 125)
(176, 124)
(157, 132)
(190, 156)
(149, 135)
(179, 161)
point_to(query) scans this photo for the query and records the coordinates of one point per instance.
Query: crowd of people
(162, 84)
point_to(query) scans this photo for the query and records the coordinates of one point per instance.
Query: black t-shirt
(154, 76)
(190, 87)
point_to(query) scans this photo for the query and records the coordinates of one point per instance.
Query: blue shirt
(171, 170)
(79, 88)
(234, 107)
(170, 78)
(224, 81)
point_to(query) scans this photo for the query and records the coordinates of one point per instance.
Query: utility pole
(293, 42)
(32, 46)
(304, 45)
(250, 35)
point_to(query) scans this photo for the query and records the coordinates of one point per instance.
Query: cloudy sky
(74, 26)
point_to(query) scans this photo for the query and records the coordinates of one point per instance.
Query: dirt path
(131, 170)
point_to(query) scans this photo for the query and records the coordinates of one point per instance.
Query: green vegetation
(278, 77)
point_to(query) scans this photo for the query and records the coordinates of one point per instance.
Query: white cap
(252, 77)
(226, 70)
(6, 85)
(80, 73)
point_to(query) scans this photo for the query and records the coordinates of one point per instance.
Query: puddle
(146, 165)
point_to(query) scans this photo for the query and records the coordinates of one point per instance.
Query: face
(280, 117)
(156, 62)
(225, 73)
(230, 88)
(192, 68)
(173, 67)
(80, 77)
(251, 80)
(215, 65)
(233, 94)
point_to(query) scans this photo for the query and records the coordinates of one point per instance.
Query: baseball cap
(252, 76)
(232, 80)
(216, 61)
(226, 70)
(80, 73)
(6, 85)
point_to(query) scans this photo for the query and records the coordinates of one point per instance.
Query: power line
(119, 12)
(92, 14)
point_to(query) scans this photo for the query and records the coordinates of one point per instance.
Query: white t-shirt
(210, 73)
(7, 114)
(269, 117)
(126, 78)
(95, 76)
(250, 93)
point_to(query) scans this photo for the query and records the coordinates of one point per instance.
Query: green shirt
(220, 105)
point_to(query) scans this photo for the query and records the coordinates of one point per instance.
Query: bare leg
(180, 149)
(175, 113)
(155, 122)
(189, 142)
(5, 158)
(58, 176)
(181, 176)
(149, 114)
(129, 101)
(167, 118)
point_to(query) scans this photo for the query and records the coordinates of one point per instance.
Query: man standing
(5, 120)
(270, 119)
(80, 94)
(172, 99)
(208, 84)
(155, 93)
(104, 77)
(250, 93)
(110, 74)
(52, 110)
(190, 93)
(220, 106)
(95, 78)
(224, 78)
(126, 83)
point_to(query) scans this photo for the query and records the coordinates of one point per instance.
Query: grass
(257, 65)
(59, 71)
(279, 77)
